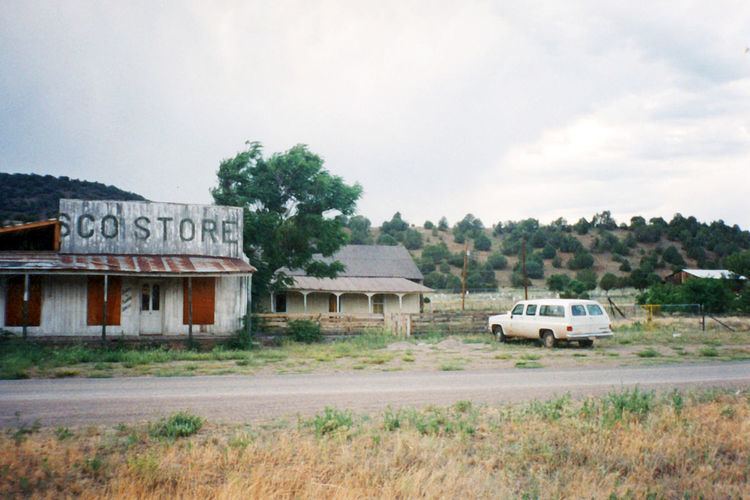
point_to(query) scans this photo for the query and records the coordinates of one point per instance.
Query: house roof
(357, 285)
(370, 261)
(724, 274)
(152, 265)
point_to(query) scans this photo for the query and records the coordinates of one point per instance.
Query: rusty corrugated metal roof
(53, 262)
(360, 285)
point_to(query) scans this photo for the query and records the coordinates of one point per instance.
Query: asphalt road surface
(257, 398)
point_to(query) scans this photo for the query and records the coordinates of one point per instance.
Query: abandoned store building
(377, 279)
(125, 269)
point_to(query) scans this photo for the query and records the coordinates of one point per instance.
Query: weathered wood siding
(64, 307)
(147, 228)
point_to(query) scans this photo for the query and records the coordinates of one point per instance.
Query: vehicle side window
(555, 311)
(518, 309)
(578, 310)
(531, 310)
(594, 310)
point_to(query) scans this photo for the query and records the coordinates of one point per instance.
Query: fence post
(703, 318)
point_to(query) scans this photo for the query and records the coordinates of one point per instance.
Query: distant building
(683, 275)
(377, 279)
(131, 268)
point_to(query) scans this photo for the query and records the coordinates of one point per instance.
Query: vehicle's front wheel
(586, 342)
(548, 340)
(499, 334)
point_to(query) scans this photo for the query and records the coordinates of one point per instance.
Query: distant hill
(32, 197)
(635, 252)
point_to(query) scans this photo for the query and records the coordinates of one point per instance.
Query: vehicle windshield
(556, 311)
(594, 310)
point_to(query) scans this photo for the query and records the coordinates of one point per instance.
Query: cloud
(502, 109)
(638, 155)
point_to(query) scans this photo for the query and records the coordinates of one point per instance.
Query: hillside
(31, 197)
(636, 253)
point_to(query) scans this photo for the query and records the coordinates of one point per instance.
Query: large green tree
(293, 208)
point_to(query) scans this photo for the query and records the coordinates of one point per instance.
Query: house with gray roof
(683, 275)
(377, 279)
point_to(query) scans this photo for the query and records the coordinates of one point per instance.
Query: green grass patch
(708, 352)
(181, 424)
(648, 353)
(451, 366)
(528, 364)
(531, 357)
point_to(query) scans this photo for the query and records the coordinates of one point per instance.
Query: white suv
(551, 320)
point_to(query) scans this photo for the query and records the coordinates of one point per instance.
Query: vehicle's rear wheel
(499, 334)
(586, 342)
(548, 340)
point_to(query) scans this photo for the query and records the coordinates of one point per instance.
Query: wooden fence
(330, 323)
(450, 322)
(402, 325)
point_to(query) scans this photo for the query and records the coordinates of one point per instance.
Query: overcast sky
(503, 109)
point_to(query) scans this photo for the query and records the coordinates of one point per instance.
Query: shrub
(634, 402)
(435, 280)
(306, 331)
(435, 253)
(331, 420)
(549, 252)
(608, 282)
(588, 277)
(581, 260)
(181, 424)
(428, 225)
(482, 243)
(497, 260)
(558, 282)
(387, 239)
(413, 239)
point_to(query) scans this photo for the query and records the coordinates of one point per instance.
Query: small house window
(150, 297)
(378, 303)
(280, 305)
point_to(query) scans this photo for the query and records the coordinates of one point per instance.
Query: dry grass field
(631, 444)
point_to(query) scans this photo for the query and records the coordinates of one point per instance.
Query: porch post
(248, 317)
(25, 305)
(400, 301)
(304, 300)
(273, 303)
(104, 309)
(338, 302)
(190, 311)
(369, 302)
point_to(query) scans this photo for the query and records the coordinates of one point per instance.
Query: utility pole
(523, 270)
(463, 275)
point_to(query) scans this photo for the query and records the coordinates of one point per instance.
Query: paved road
(246, 399)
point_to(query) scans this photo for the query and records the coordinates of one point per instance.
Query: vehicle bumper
(579, 336)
